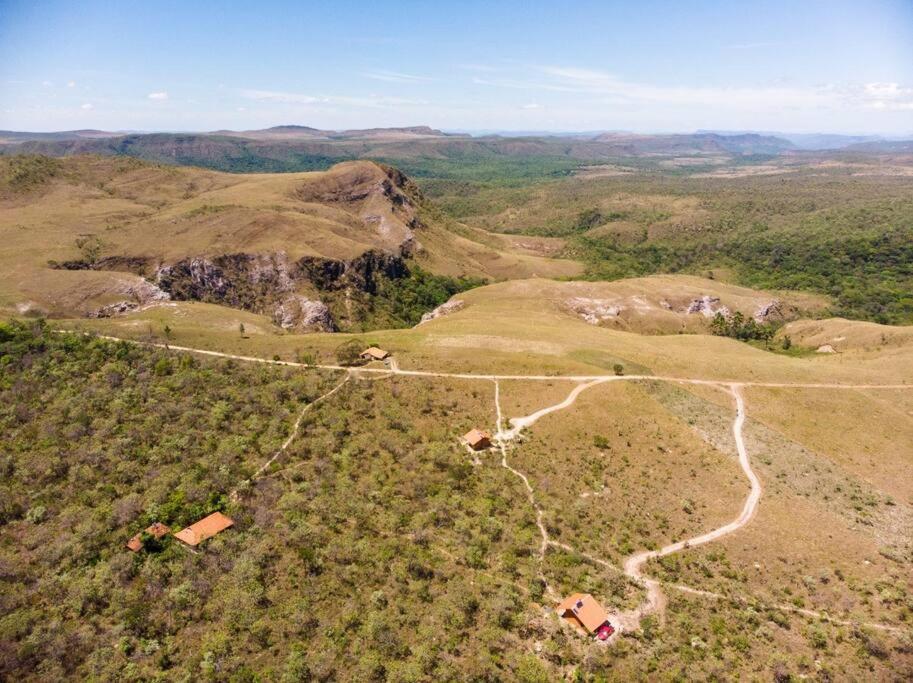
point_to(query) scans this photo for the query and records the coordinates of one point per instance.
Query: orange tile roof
(374, 352)
(156, 530)
(207, 527)
(476, 437)
(582, 608)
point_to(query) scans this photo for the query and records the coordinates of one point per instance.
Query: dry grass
(165, 214)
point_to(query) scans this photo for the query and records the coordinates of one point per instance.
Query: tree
(90, 247)
(787, 343)
(167, 332)
(349, 352)
(619, 369)
(241, 329)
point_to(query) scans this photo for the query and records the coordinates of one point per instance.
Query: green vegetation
(349, 352)
(739, 327)
(370, 550)
(869, 277)
(27, 171)
(394, 302)
(848, 237)
(339, 569)
(405, 300)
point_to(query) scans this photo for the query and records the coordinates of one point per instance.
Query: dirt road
(633, 565)
(396, 370)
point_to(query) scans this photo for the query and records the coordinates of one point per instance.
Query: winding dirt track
(655, 600)
(291, 437)
(633, 565)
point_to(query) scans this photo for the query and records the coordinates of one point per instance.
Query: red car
(605, 631)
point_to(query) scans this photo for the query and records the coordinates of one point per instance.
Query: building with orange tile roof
(156, 530)
(477, 439)
(582, 610)
(207, 527)
(374, 353)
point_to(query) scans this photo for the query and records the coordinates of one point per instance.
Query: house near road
(477, 439)
(156, 530)
(374, 353)
(207, 527)
(584, 613)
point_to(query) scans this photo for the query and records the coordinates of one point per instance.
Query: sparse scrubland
(373, 549)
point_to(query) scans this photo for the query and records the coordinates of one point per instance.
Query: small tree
(349, 352)
(241, 329)
(167, 332)
(787, 343)
(89, 247)
(619, 369)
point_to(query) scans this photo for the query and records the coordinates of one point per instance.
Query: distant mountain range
(303, 148)
(819, 141)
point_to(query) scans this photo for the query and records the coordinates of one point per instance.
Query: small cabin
(477, 439)
(156, 530)
(374, 353)
(207, 527)
(583, 612)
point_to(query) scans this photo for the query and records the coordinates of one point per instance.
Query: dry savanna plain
(739, 499)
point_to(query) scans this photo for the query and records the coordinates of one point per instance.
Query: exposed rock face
(443, 309)
(361, 273)
(233, 279)
(141, 293)
(296, 312)
(708, 306)
(271, 284)
(376, 198)
(112, 310)
(595, 311)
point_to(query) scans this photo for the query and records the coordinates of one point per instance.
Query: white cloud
(887, 97)
(607, 88)
(531, 105)
(158, 95)
(396, 77)
(71, 84)
(87, 106)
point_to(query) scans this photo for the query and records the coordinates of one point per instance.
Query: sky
(834, 66)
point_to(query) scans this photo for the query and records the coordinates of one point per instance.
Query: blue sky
(798, 66)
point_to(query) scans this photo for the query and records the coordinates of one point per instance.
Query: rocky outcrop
(298, 313)
(708, 306)
(595, 311)
(271, 284)
(141, 294)
(361, 273)
(444, 309)
(241, 280)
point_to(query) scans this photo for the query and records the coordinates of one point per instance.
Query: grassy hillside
(81, 234)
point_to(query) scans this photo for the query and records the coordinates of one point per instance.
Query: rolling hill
(100, 236)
